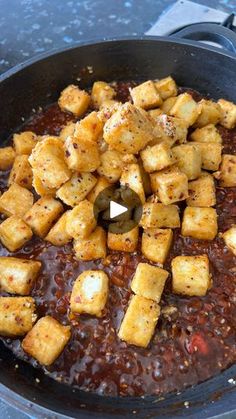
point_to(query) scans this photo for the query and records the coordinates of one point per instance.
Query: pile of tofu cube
(163, 145)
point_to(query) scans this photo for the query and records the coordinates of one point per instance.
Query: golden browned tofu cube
(46, 340)
(101, 92)
(168, 104)
(14, 233)
(157, 215)
(139, 322)
(228, 171)
(81, 155)
(17, 315)
(58, 235)
(89, 293)
(210, 113)
(207, 134)
(128, 130)
(189, 160)
(169, 129)
(200, 223)
(67, 131)
(40, 189)
(74, 100)
(228, 113)
(43, 214)
(93, 247)
(229, 237)
(76, 189)
(81, 221)
(191, 275)
(211, 155)
(111, 165)
(132, 178)
(7, 157)
(16, 201)
(18, 275)
(24, 142)
(157, 157)
(156, 244)
(146, 95)
(185, 108)
(90, 128)
(154, 113)
(149, 281)
(21, 172)
(124, 242)
(202, 192)
(166, 87)
(171, 187)
(102, 183)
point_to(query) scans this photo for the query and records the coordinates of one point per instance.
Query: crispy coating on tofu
(24, 142)
(211, 155)
(156, 215)
(74, 100)
(111, 165)
(39, 187)
(81, 221)
(89, 128)
(200, 223)
(149, 281)
(210, 113)
(202, 192)
(207, 134)
(171, 187)
(124, 242)
(101, 92)
(102, 183)
(58, 234)
(170, 130)
(7, 157)
(131, 177)
(168, 104)
(76, 189)
(14, 233)
(146, 95)
(227, 173)
(43, 214)
(229, 237)
(189, 160)
(21, 172)
(185, 108)
(18, 275)
(16, 201)
(67, 131)
(191, 275)
(228, 113)
(81, 155)
(157, 157)
(89, 293)
(17, 315)
(46, 340)
(93, 247)
(166, 87)
(156, 244)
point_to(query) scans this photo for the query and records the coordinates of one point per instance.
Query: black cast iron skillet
(37, 83)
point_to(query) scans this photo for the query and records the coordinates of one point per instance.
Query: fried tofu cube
(191, 275)
(168, 104)
(210, 113)
(111, 165)
(146, 96)
(156, 244)
(93, 247)
(81, 155)
(18, 275)
(131, 177)
(228, 171)
(166, 87)
(81, 221)
(228, 113)
(157, 215)
(74, 100)
(48, 162)
(207, 134)
(211, 155)
(101, 92)
(58, 235)
(14, 233)
(171, 187)
(139, 322)
(149, 281)
(124, 242)
(189, 160)
(89, 293)
(154, 113)
(16, 201)
(25, 142)
(43, 214)
(128, 130)
(46, 340)
(200, 223)
(157, 157)
(7, 157)
(185, 108)
(17, 315)
(21, 172)
(229, 237)
(89, 128)
(169, 129)
(40, 189)
(76, 189)
(67, 131)
(102, 183)
(202, 192)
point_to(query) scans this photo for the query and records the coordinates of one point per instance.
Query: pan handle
(212, 33)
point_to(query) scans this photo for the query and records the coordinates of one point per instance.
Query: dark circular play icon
(117, 209)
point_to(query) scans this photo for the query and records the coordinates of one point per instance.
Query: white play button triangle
(116, 209)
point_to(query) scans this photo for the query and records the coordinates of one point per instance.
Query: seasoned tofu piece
(89, 293)
(131, 177)
(89, 128)
(228, 113)
(111, 165)
(67, 131)
(81, 155)
(21, 172)
(189, 160)
(166, 87)
(168, 104)
(81, 221)
(124, 242)
(93, 247)
(74, 100)
(16, 201)
(227, 174)
(43, 214)
(229, 237)
(202, 192)
(101, 92)
(76, 189)
(156, 244)
(17, 315)
(169, 129)
(171, 187)
(48, 162)
(14, 233)
(157, 157)
(139, 322)
(128, 130)
(191, 275)
(200, 223)
(102, 183)
(7, 157)
(18, 275)
(154, 113)
(58, 235)
(157, 215)
(211, 155)
(207, 134)
(185, 108)
(146, 96)
(24, 142)
(46, 340)
(149, 281)
(210, 113)
(40, 189)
